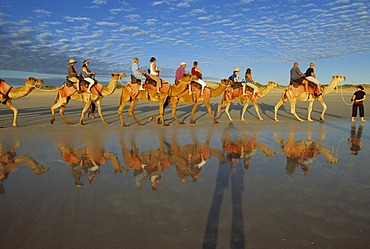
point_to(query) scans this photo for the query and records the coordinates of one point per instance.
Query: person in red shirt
(197, 72)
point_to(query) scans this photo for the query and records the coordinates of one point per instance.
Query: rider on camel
(73, 75)
(296, 76)
(198, 73)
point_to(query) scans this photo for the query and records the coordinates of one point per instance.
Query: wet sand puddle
(296, 185)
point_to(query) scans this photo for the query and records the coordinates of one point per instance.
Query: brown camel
(151, 95)
(19, 92)
(197, 99)
(88, 98)
(298, 94)
(228, 99)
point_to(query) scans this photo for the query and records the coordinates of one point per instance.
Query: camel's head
(226, 82)
(339, 77)
(187, 78)
(273, 84)
(34, 82)
(118, 75)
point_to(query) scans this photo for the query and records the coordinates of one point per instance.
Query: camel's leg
(131, 111)
(87, 104)
(227, 111)
(324, 107)
(310, 104)
(223, 103)
(292, 110)
(53, 108)
(120, 110)
(209, 109)
(174, 107)
(161, 111)
(193, 112)
(61, 113)
(255, 104)
(98, 103)
(15, 112)
(245, 106)
(280, 103)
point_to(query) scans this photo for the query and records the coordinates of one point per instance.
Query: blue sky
(268, 36)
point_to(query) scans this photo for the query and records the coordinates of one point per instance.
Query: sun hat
(72, 61)
(237, 70)
(183, 63)
(361, 87)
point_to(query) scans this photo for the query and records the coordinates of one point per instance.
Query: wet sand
(252, 184)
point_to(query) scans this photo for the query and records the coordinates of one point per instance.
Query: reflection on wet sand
(239, 146)
(303, 153)
(150, 164)
(354, 142)
(10, 161)
(87, 160)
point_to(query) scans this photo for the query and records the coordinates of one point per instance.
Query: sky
(267, 36)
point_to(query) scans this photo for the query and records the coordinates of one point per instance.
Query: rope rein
(341, 92)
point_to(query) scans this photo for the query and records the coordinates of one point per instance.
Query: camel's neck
(265, 90)
(19, 92)
(333, 84)
(110, 88)
(218, 91)
(178, 89)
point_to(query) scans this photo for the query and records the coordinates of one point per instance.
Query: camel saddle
(133, 88)
(4, 90)
(68, 89)
(233, 93)
(196, 88)
(295, 91)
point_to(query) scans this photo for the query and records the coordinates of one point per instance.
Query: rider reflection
(303, 153)
(354, 142)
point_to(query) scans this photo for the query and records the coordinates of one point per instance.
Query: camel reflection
(190, 158)
(303, 153)
(147, 164)
(238, 146)
(10, 161)
(86, 161)
(354, 142)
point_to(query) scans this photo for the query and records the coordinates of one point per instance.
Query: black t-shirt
(309, 72)
(359, 94)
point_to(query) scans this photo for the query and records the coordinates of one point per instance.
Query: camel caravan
(189, 88)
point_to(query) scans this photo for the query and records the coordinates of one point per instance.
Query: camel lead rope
(341, 92)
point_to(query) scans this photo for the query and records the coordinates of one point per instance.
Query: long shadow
(237, 229)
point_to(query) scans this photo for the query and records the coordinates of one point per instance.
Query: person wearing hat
(236, 80)
(180, 71)
(73, 75)
(87, 74)
(137, 72)
(358, 103)
(198, 73)
(250, 82)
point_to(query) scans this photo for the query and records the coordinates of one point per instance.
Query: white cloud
(42, 12)
(99, 2)
(109, 24)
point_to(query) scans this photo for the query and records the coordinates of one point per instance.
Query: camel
(229, 97)
(61, 101)
(197, 99)
(298, 94)
(19, 92)
(303, 153)
(151, 95)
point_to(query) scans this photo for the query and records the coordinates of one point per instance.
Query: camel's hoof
(310, 120)
(165, 125)
(150, 119)
(181, 123)
(81, 124)
(124, 125)
(15, 125)
(192, 122)
(139, 124)
(52, 121)
(215, 122)
(105, 123)
(276, 120)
